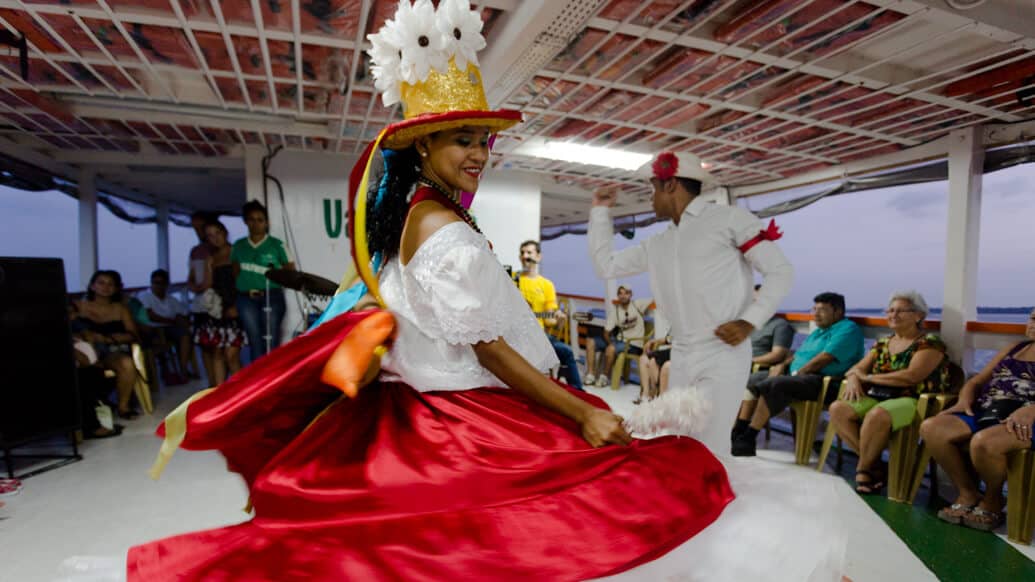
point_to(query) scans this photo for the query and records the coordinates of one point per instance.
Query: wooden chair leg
(1020, 499)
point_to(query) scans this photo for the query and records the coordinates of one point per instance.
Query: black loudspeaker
(38, 386)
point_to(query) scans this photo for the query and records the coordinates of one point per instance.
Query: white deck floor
(106, 503)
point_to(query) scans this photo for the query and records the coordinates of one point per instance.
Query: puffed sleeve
(468, 293)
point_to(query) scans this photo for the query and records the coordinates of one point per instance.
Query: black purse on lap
(883, 392)
(997, 412)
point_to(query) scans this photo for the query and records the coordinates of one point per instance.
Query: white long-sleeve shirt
(698, 275)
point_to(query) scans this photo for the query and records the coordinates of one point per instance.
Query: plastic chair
(142, 385)
(906, 458)
(806, 422)
(562, 330)
(623, 361)
(1020, 496)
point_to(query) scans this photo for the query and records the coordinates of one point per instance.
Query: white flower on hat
(461, 30)
(421, 43)
(387, 57)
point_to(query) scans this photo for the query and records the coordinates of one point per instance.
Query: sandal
(105, 433)
(872, 485)
(955, 513)
(983, 520)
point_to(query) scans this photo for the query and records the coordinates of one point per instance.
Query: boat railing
(981, 335)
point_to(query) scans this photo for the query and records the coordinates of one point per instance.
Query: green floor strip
(954, 553)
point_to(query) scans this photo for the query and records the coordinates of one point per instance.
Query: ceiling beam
(233, 161)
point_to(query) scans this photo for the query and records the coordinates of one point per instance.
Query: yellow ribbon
(359, 234)
(175, 432)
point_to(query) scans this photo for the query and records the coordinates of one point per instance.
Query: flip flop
(955, 513)
(983, 520)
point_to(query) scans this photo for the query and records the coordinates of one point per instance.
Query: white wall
(313, 182)
(508, 209)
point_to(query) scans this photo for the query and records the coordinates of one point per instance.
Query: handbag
(105, 416)
(997, 412)
(883, 392)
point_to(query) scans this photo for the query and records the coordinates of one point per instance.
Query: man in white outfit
(700, 271)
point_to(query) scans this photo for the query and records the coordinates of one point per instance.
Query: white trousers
(720, 373)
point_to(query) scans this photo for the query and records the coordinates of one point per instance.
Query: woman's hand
(777, 370)
(650, 346)
(601, 427)
(1019, 424)
(964, 404)
(853, 387)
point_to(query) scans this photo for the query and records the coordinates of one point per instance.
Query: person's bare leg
(591, 356)
(944, 435)
(873, 437)
(208, 358)
(646, 377)
(846, 423)
(609, 360)
(760, 416)
(125, 377)
(988, 450)
(747, 409)
(184, 351)
(233, 360)
(663, 378)
(217, 373)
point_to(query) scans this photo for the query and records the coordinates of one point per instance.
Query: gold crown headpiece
(427, 59)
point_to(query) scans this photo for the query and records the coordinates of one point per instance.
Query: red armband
(771, 233)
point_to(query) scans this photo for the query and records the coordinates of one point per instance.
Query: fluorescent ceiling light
(582, 154)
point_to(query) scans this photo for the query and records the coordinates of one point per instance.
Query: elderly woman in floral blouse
(996, 413)
(880, 391)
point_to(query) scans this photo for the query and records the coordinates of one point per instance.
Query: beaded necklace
(454, 202)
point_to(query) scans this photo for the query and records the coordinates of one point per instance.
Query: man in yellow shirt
(541, 296)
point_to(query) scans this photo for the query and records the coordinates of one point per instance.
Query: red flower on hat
(665, 166)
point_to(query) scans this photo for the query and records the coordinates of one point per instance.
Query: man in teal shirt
(834, 347)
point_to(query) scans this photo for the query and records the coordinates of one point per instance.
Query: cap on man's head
(668, 165)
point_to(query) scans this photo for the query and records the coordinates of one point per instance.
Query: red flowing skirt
(402, 485)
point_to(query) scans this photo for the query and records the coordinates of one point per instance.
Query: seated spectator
(198, 259)
(830, 350)
(995, 414)
(94, 389)
(217, 328)
(624, 320)
(168, 324)
(104, 321)
(770, 345)
(541, 296)
(880, 391)
(654, 362)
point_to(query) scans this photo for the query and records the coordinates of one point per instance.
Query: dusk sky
(864, 245)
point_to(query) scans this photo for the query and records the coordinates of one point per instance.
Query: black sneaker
(743, 445)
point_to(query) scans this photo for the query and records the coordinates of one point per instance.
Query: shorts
(661, 356)
(902, 410)
(972, 424)
(619, 346)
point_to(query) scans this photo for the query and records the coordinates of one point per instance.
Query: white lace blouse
(452, 294)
